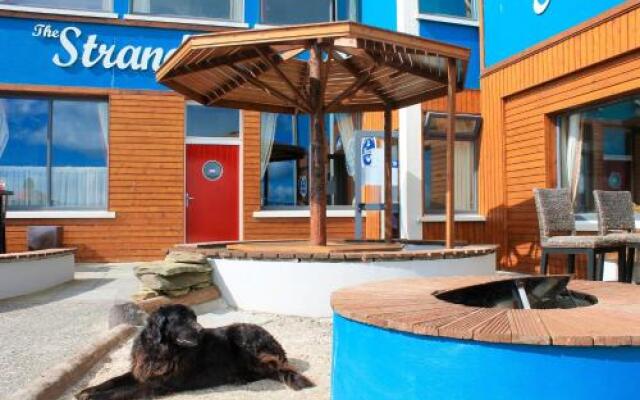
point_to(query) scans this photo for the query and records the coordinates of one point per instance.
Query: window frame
(585, 221)
(108, 13)
(49, 148)
(209, 139)
(237, 20)
(460, 137)
(333, 14)
(268, 211)
(474, 20)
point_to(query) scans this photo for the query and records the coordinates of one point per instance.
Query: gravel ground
(306, 340)
(40, 330)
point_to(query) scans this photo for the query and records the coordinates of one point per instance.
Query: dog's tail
(293, 378)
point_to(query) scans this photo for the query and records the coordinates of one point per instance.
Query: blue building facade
(66, 62)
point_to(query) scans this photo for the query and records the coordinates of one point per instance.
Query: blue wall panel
(512, 26)
(461, 35)
(30, 53)
(252, 12)
(371, 363)
(379, 13)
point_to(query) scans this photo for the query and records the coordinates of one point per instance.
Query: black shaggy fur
(174, 353)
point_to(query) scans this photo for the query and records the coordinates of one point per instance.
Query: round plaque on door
(212, 170)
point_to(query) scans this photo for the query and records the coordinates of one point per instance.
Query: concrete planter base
(29, 272)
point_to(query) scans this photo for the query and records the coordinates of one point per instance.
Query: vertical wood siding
(520, 99)
(146, 158)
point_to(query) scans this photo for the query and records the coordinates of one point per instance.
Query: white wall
(20, 277)
(410, 142)
(304, 288)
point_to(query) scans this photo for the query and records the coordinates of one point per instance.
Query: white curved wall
(23, 276)
(304, 288)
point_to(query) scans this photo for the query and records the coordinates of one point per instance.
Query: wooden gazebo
(318, 69)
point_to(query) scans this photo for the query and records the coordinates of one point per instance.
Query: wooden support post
(317, 179)
(452, 74)
(388, 197)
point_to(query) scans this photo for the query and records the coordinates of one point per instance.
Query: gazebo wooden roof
(367, 69)
(317, 69)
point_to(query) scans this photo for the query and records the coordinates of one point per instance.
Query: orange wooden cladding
(146, 158)
(520, 99)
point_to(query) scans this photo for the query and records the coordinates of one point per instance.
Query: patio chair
(558, 234)
(616, 220)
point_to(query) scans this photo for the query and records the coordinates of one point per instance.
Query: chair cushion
(582, 242)
(625, 237)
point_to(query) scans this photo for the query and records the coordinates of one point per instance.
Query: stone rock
(144, 294)
(168, 268)
(126, 313)
(186, 257)
(174, 282)
(202, 285)
(177, 293)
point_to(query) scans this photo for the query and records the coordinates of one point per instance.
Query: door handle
(187, 199)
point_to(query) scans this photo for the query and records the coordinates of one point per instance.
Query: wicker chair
(616, 219)
(558, 234)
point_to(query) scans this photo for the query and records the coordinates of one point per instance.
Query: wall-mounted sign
(368, 144)
(303, 186)
(540, 6)
(212, 170)
(91, 51)
(84, 54)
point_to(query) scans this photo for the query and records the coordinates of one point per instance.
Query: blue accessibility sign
(368, 144)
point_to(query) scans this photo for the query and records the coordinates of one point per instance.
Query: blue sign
(81, 54)
(368, 144)
(212, 170)
(513, 26)
(303, 187)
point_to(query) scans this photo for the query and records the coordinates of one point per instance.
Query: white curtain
(574, 153)
(74, 187)
(347, 135)
(463, 175)
(103, 118)
(142, 6)
(29, 185)
(4, 127)
(79, 187)
(235, 10)
(268, 123)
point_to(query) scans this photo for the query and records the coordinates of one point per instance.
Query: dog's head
(173, 324)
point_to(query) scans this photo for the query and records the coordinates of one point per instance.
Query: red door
(212, 193)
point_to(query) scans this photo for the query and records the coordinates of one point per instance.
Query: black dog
(174, 353)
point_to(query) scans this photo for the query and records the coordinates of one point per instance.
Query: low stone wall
(32, 271)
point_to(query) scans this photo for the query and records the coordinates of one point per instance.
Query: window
(435, 159)
(87, 5)
(450, 8)
(53, 153)
(285, 176)
(599, 149)
(212, 122)
(289, 12)
(230, 10)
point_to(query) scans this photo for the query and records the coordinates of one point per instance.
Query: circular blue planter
(372, 363)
